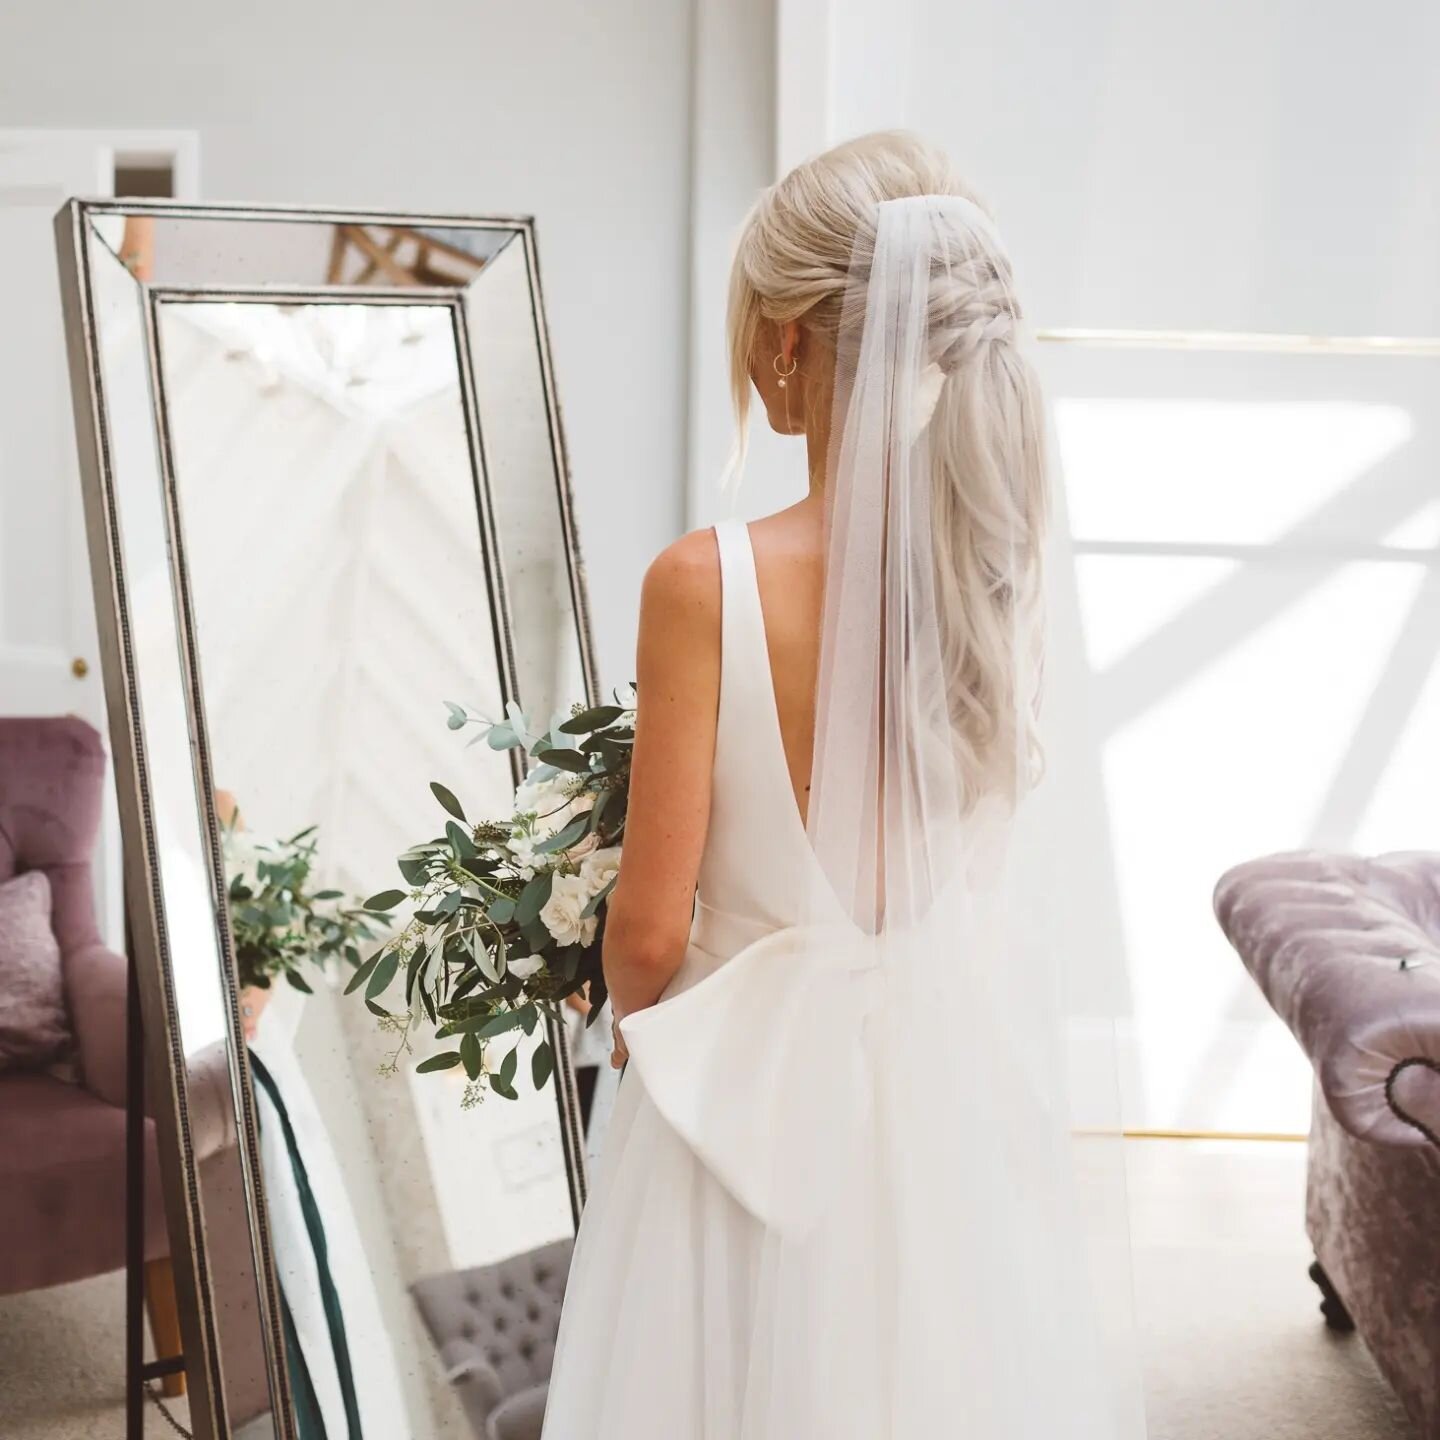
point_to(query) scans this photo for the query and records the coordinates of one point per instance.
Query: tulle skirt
(922, 1268)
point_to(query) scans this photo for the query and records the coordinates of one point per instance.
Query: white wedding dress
(658, 1330)
(772, 1250)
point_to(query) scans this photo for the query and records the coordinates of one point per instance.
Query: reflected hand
(253, 1000)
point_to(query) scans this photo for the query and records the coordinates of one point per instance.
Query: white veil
(963, 1145)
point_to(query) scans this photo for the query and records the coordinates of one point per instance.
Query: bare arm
(678, 679)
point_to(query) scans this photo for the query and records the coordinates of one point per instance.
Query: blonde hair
(990, 501)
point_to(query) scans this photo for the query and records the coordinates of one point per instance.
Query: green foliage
(279, 924)
(477, 960)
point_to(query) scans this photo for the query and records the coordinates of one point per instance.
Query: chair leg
(164, 1316)
(1332, 1307)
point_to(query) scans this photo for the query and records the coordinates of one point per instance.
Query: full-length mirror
(330, 513)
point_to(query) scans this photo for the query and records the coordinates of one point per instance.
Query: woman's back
(790, 568)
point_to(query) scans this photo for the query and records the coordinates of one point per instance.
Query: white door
(49, 663)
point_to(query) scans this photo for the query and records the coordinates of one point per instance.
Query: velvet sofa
(1347, 951)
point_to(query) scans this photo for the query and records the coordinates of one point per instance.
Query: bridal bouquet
(278, 922)
(509, 913)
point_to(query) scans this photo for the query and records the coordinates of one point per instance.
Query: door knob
(79, 667)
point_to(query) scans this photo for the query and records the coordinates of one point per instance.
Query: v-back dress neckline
(743, 571)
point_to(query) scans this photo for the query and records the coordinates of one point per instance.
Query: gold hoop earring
(785, 374)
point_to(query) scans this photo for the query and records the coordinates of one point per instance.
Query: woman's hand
(253, 1000)
(619, 1055)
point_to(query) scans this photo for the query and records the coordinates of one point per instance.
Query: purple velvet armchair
(62, 1147)
(1347, 951)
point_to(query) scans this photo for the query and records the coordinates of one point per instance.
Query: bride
(844, 1193)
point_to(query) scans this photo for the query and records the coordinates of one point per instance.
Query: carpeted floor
(1235, 1349)
(62, 1365)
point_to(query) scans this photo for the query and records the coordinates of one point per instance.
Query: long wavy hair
(986, 434)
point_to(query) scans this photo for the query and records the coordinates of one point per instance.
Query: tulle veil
(965, 1156)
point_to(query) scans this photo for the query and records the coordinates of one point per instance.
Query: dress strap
(744, 654)
(742, 623)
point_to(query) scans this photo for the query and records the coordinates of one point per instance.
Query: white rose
(561, 914)
(599, 868)
(525, 966)
(550, 802)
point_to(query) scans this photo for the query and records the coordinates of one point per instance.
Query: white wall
(574, 112)
(1256, 541)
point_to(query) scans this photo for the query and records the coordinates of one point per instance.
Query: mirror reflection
(337, 457)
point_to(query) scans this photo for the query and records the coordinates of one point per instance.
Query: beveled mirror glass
(327, 494)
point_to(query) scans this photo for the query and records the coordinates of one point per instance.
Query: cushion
(34, 1026)
(520, 1417)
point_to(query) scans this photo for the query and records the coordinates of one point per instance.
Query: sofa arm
(1347, 952)
(97, 990)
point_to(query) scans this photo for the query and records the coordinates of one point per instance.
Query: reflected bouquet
(509, 915)
(278, 923)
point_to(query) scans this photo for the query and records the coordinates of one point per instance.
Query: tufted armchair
(1347, 951)
(495, 1329)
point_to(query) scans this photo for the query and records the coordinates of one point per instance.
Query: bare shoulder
(682, 584)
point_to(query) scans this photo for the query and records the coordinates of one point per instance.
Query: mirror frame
(147, 937)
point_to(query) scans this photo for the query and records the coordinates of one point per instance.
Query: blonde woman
(819, 1215)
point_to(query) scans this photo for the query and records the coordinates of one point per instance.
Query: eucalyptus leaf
(383, 974)
(464, 847)
(472, 1055)
(458, 716)
(508, 1066)
(503, 1090)
(487, 963)
(571, 760)
(447, 799)
(532, 899)
(507, 1020)
(445, 1060)
(502, 737)
(385, 900)
(415, 871)
(594, 719)
(501, 910)
(542, 1063)
(295, 978)
(485, 1026)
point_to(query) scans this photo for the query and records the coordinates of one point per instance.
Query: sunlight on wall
(1241, 472)
(1263, 643)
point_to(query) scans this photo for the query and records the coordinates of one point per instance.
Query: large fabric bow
(765, 1067)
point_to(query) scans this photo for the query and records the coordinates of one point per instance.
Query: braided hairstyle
(797, 255)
